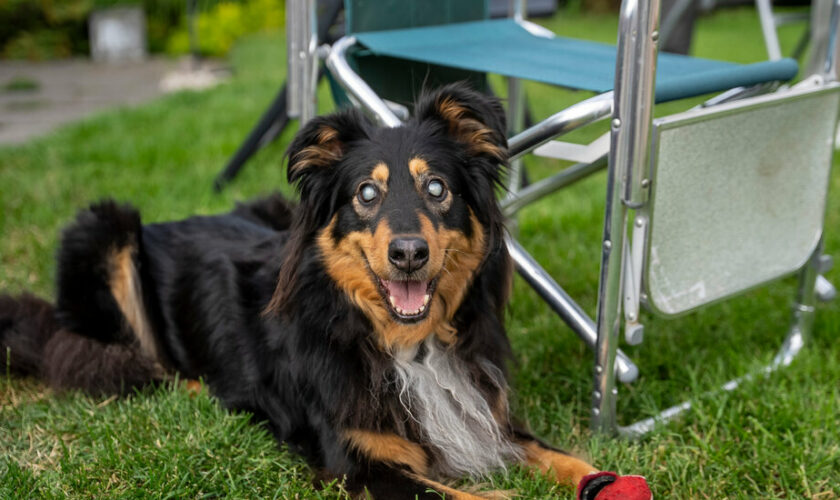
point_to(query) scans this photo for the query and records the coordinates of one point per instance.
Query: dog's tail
(99, 336)
(26, 325)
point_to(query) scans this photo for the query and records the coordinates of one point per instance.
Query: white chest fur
(441, 396)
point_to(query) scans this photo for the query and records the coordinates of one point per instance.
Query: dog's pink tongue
(408, 295)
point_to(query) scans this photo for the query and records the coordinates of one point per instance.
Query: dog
(364, 325)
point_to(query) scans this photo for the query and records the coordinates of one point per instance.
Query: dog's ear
(471, 118)
(323, 141)
(313, 155)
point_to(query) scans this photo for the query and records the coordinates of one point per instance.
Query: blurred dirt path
(36, 97)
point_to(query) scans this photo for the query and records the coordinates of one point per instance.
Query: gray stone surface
(70, 90)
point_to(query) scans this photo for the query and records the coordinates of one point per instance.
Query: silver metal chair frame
(301, 59)
(630, 108)
(768, 29)
(516, 101)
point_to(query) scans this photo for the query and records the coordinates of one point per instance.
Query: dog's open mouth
(408, 300)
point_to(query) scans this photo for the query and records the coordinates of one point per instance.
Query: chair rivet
(639, 222)
(654, 36)
(616, 123)
(599, 369)
(645, 183)
(631, 317)
(596, 395)
(615, 391)
(596, 411)
(607, 244)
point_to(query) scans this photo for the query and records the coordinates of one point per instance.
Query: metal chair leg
(609, 307)
(826, 292)
(271, 124)
(799, 333)
(626, 186)
(565, 307)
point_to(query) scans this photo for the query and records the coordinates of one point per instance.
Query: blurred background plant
(51, 29)
(221, 24)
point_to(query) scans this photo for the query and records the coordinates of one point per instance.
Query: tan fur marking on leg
(387, 447)
(562, 468)
(453, 494)
(125, 287)
(193, 387)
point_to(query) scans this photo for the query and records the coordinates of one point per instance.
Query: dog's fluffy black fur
(359, 325)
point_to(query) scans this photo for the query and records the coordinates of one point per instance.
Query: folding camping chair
(672, 202)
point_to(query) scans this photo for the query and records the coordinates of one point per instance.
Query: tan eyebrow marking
(381, 173)
(418, 167)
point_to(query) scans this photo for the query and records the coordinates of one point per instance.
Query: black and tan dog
(364, 325)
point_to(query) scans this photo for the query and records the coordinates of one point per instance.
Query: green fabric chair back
(399, 80)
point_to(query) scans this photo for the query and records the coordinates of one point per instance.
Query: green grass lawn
(772, 438)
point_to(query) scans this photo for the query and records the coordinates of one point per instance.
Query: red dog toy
(611, 486)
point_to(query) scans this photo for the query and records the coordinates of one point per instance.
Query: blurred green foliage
(50, 29)
(220, 25)
(41, 29)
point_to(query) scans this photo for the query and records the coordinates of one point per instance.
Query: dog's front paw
(611, 486)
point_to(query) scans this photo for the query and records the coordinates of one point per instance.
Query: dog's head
(403, 217)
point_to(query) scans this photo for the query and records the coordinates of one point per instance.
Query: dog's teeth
(406, 312)
(426, 299)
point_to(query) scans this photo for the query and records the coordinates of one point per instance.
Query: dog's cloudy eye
(435, 188)
(368, 193)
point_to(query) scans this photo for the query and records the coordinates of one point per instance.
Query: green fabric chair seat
(504, 47)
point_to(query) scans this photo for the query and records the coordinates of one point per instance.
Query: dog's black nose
(408, 254)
